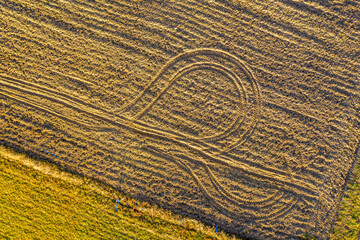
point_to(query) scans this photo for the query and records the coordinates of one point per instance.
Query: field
(39, 201)
(347, 225)
(241, 114)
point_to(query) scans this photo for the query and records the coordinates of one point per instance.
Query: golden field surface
(241, 114)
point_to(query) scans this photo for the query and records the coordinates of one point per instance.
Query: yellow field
(39, 201)
(241, 114)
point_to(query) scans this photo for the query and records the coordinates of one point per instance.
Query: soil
(242, 114)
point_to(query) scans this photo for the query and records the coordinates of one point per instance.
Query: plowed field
(242, 114)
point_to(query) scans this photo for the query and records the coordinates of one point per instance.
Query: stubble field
(242, 114)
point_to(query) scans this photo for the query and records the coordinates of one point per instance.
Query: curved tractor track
(23, 91)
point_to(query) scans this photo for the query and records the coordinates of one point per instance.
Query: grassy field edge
(25, 179)
(38, 200)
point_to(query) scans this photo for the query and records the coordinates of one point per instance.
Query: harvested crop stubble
(243, 114)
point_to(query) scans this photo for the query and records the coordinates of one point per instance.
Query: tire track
(250, 172)
(218, 205)
(188, 69)
(239, 87)
(30, 103)
(157, 133)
